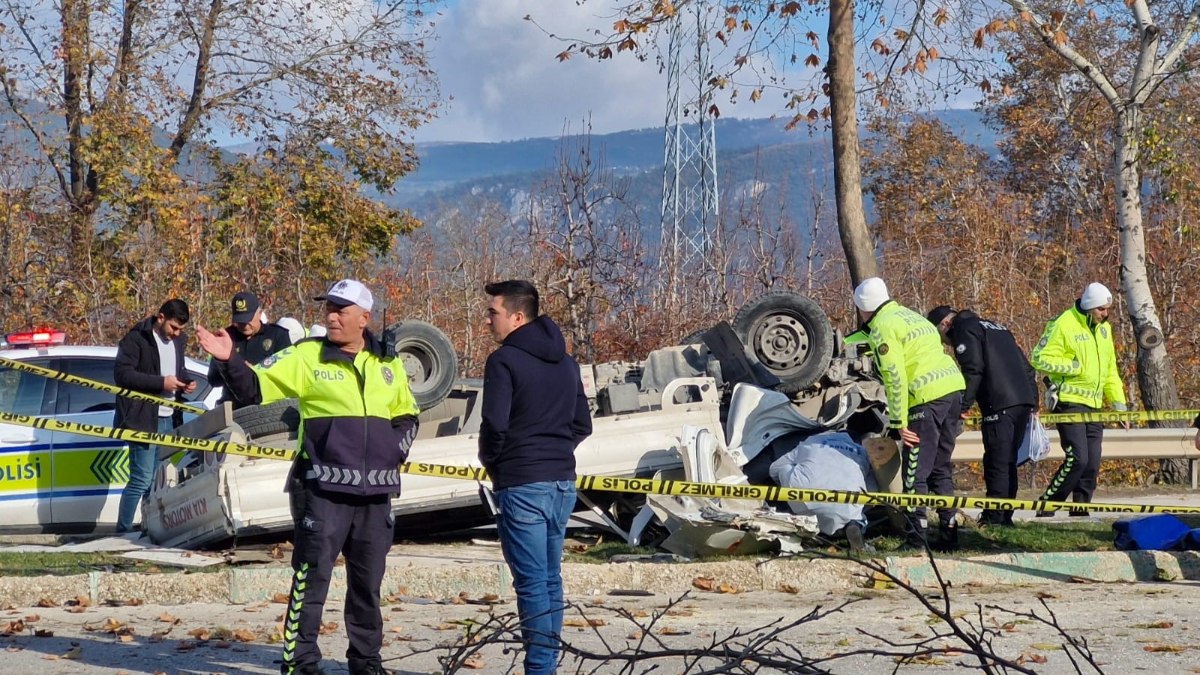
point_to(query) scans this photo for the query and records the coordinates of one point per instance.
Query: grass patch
(35, 564)
(1025, 537)
(603, 551)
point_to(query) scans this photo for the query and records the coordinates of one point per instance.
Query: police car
(56, 481)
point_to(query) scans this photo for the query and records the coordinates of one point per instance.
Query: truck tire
(429, 359)
(789, 334)
(270, 421)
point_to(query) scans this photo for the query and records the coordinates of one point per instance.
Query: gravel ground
(1128, 627)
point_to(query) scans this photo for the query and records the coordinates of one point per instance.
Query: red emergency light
(42, 337)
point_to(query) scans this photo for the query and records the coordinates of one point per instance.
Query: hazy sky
(506, 83)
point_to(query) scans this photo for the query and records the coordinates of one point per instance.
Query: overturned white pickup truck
(780, 340)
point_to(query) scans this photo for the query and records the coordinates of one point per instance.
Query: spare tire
(789, 334)
(429, 359)
(272, 419)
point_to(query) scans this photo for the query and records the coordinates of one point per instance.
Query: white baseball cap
(348, 292)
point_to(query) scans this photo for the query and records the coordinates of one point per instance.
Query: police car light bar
(36, 338)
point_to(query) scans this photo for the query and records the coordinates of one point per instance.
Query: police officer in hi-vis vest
(1077, 355)
(924, 392)
(358, 418)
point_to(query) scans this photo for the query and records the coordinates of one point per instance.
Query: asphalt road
(1127, 627)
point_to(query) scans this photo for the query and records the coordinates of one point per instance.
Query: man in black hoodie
(150, 360)
(535, 413)
(1001, 379)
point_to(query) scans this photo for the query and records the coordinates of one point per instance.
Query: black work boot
(995, 518)
(947, 540)
(367, 667)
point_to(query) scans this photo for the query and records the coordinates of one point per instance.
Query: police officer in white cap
(358, 419)
(1076, 354)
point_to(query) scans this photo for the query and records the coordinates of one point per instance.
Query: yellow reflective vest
(358, 416)
(914, 367)
(1080, 359)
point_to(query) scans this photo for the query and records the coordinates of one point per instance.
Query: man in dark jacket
(252, 337)
(1001, 379)
(535, 413)
(150, 360)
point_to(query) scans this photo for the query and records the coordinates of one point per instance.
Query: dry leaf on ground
(1170, 649)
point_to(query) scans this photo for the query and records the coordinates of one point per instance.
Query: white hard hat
(317, 330)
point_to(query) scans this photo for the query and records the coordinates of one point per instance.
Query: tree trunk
(847, 176)
(1155, 373)
(81, 182)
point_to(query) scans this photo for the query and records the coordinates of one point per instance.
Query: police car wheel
(429, 359)
(281, 418)
(789, 334)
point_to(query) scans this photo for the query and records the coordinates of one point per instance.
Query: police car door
(26, 470)
(89, 472)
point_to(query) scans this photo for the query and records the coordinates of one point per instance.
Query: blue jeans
(532, 522)
(142, 459)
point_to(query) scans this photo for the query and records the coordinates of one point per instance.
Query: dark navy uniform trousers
(328, 524)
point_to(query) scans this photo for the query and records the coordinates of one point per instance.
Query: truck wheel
(429, 359)
(274, 419)
(789, 334)
(696, 337)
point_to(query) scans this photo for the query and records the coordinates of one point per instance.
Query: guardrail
(1118, 444)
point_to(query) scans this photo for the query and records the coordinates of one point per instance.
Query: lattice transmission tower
(689, 200)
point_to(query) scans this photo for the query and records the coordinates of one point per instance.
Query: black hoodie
(996, 370)
(535, 411)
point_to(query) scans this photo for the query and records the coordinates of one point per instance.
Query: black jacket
(137, 368)
(998, 374)
(269, 339)
(535, 411)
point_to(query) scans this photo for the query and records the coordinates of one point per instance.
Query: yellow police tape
(92, 384)
(1112, 416)
(183, 442)
(614, 483)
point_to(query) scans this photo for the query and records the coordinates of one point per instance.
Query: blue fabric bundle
(1160, 532)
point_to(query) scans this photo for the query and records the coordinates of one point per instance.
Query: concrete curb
(240, 585)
